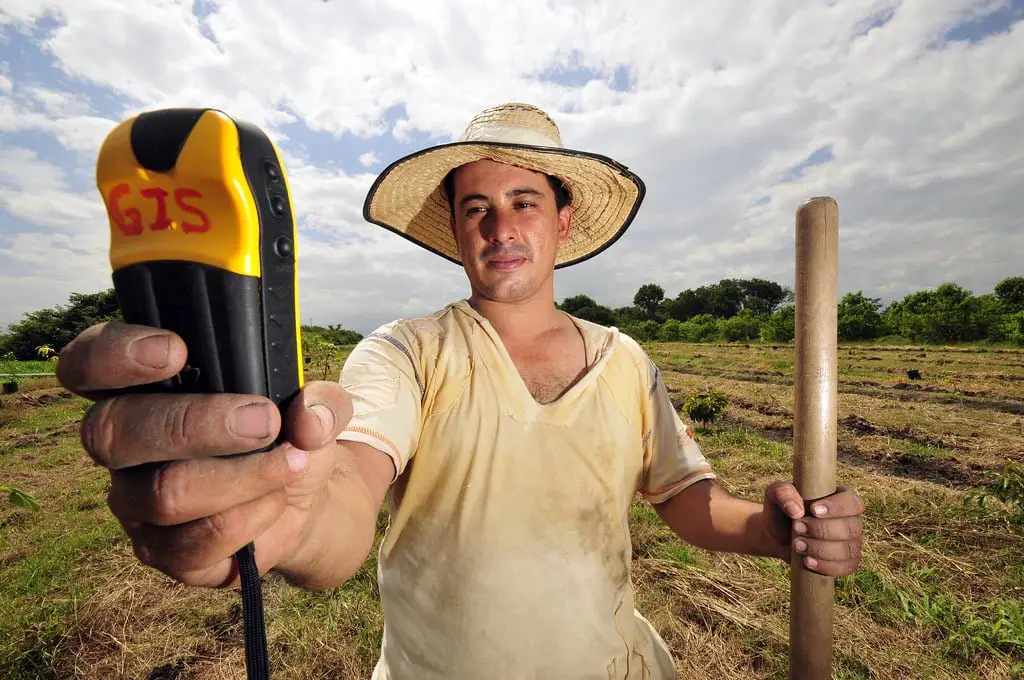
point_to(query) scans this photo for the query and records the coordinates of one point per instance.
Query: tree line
(56, 326)
(733, 310)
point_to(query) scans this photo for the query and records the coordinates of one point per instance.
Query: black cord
(256, 662)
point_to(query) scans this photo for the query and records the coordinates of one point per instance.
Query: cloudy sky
(910, 114)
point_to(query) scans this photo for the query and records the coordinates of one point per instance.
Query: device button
(278, 205)
(283, 247)
(273, 172)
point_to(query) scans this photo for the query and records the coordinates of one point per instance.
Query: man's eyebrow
(472, 197)
(518, 191)
(524, 191)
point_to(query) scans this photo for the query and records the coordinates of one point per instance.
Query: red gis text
(130, 220)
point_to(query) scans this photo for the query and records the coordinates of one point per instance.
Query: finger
(785, 495)
(115, 355)
(828, 551)
(200, 552)
(167, 494)
(317, 415)
(835, 569)
(834, 529)
(845, 502)
(135, 429)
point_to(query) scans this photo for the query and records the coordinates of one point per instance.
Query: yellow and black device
(203, 243)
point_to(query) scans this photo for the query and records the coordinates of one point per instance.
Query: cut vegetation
(938, 461)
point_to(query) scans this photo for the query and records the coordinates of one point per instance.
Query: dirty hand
(185, 507)
(829, 537)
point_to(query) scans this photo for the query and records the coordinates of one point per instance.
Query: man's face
(508, 228)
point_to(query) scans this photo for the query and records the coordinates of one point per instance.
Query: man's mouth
(505, 263)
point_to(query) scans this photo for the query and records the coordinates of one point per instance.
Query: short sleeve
(382, 378)
(672, 458)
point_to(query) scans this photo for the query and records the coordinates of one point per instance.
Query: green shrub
(334, 334)
(320, 355)
(671, 331)
(700, 328)
(858, 317)
(21, 499)
(1006, 485)
(54, 327)
(780, 326)
(706, 406)
(645, 331)
(1013, 328)
(743, 326)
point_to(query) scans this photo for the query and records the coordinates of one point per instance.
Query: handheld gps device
(202, 243)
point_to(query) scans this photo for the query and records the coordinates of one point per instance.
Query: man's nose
(500, 227)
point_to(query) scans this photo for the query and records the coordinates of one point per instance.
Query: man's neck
(519, 320)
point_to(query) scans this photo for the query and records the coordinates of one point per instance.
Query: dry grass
(938, 576)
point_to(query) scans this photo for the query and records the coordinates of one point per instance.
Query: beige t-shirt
(508, 553)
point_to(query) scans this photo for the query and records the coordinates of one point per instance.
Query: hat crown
(513, 123)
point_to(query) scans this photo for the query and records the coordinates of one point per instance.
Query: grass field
(939, 594)
(8, 367)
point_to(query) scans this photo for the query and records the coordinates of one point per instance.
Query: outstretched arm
(707, 516)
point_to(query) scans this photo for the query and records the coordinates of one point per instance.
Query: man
(508, 438)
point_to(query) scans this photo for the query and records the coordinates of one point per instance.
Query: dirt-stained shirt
(508, 552)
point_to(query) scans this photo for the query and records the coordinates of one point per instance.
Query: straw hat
(407, 197)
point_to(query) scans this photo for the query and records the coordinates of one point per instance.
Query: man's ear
(565, 216)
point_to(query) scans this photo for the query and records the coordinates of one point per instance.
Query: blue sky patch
(819, 156)
(622, 81)
(202, 9)
(29, 65)
(993, 23)
(330, 150)
(572, 73)
(572, 76)
(877, 21)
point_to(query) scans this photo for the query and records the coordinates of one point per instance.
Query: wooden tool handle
(814, 423)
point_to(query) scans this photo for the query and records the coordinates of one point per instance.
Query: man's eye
(476, 209)
(524, 204)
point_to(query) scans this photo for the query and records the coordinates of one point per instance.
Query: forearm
(336, 536)
(707, 516)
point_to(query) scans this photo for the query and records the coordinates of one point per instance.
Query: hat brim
(407, 199)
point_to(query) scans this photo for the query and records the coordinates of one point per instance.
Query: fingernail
(800, 527)
(326, 417)
(251, 420)
(820, 509)
(152, 350)
(811, 563)
(297, 459)
(800, 546)
(792, 508)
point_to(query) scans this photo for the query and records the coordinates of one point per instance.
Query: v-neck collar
(522, 404)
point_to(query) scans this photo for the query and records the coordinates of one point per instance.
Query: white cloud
(724, 98)
(64, 115)
(58, 104)
(66, 249)
(37, 192)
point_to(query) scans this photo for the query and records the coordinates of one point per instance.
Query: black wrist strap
(257, 663)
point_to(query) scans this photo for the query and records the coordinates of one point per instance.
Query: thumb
(317, 415)
(785, 496)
